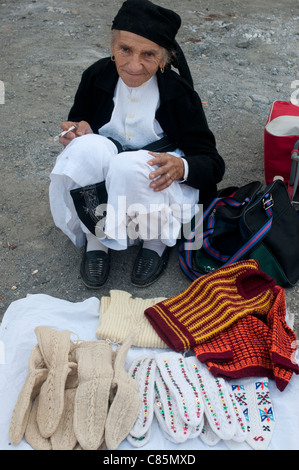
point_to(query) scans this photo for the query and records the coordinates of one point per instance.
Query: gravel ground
(243, 56)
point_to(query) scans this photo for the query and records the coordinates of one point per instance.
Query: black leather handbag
(242, 223)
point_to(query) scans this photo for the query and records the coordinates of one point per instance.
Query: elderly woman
(141, 152)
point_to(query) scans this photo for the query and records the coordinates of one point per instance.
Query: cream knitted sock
(64, 437)
(55, 348)
(32, 432)
(121, 314)
(95, 374)
(37, 374)
(126, 403)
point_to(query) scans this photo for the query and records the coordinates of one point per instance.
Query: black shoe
(148, 266)
(95, 268)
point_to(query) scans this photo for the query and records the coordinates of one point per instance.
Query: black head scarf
(155, 23)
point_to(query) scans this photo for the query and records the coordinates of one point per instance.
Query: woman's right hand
(81, 128)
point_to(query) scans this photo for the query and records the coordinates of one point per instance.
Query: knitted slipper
(55, 348)
(167, 413)
(217, 402)
(210, 438)
(64, 437)
(183, 389)
(139, 441)
(37, 374)
(254, 400)
(95, 374)
(142, 370)
(126, 403)
(241, 427)
(207, 435)
(159, 412)
(32, 432)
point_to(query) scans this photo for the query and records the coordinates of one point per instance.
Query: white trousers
(134, 210)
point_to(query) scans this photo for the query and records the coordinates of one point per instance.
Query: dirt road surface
(243, 56)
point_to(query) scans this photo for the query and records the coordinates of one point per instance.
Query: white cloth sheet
(17, 339)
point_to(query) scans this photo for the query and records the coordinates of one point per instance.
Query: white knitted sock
(241, 428)
(167, 413)
(143, 370)
(253, 398)
(161, 415)
(184, 389)
(139, 441)
(155, 245)
(94, 244)
(217, 402)
(207, 435)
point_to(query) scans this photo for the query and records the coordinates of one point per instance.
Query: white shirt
(133, 123)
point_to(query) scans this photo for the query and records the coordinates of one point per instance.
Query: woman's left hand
(170, 168)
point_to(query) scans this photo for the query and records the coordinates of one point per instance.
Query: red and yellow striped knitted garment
(211, 304)
(254, 347)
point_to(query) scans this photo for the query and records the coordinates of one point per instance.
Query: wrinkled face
(137, 59)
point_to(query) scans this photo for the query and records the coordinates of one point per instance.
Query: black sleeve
(206, 166)
(186, 124)
(82, 109)
(94, 98)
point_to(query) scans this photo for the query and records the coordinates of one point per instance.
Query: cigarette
(57, 137)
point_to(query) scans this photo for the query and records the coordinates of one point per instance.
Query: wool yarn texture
(50, 364)
(186, 400)
(32, 432)
(37, 374)
(95, 373)
(178, 382)
(223, 416)
(55, 348)
(211, 304)
(126, 401)
(75, 395)
(283, 340)
(143, 371)
(121, 314)
(207, 435)
(254, 347)
(254, 399)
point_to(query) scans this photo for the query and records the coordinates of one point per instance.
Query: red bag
(280, 135)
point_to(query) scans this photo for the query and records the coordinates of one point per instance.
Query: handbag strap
(210, 226)
(185, 249)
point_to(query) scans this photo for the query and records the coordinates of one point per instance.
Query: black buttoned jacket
(180, 115)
